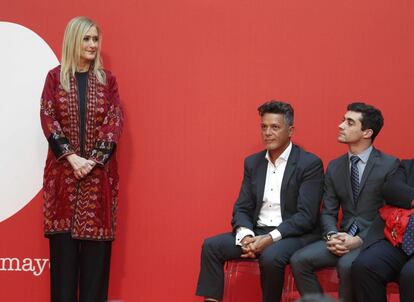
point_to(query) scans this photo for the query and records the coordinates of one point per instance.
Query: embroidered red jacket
(396, 221)
(86, 208)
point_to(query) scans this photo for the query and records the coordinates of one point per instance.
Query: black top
(82, 84)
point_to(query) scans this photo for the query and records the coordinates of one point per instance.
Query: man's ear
(291, 130)
(367, 133)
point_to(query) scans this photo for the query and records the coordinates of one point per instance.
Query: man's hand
(350, 242)
(336, 246)
(247, 252)
(343, 243)
(81, 166)
(259, 243)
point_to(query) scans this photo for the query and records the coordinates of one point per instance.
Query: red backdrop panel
(191, 75)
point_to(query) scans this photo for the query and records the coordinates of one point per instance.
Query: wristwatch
(327, 236)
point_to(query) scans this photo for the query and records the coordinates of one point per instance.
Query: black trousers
(273, 260)
(79, 266)
(379, 264)
(315, 256)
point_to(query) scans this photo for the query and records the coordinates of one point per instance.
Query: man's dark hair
(371, 117)
(278, 108)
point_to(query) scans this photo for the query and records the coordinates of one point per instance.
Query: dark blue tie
(355, 177)
(408, 238)
(353, 229)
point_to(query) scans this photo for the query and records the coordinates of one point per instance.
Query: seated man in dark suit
(381, 262)
(275, 213)
(353, 183)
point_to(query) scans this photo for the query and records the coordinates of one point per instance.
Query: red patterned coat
(85, 208)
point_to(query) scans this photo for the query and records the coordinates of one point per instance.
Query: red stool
(242, 283)
(329, 281)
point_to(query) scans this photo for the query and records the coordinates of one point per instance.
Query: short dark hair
(371, 117)
(278, 107)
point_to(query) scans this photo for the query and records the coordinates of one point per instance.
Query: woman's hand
(81, 166)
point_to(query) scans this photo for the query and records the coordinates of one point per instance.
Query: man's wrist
(359, 239)
(275, 235)
(244, 238)
(328, 235)
(241, 233)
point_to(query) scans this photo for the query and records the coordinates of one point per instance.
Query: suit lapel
(343, 170)
(409, 172)
(261, 178)
(373, 157)
(290, 168)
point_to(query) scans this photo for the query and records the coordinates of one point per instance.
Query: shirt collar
(284, 156)
(364, 155)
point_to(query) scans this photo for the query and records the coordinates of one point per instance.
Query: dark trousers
(78, 264)
(216, 250)
(379, 264)
(315, 256)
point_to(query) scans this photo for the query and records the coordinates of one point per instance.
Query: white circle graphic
(25, 59)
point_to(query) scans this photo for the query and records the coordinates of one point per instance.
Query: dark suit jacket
(398, 191)
(300, 196)
(338, 192)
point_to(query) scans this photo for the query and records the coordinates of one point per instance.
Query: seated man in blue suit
(353, 183)
(276, 211)
(380, 261)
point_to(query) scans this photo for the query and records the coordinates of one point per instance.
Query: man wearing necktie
(381, 262)
(353, 184)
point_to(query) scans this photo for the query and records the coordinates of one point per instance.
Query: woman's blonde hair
(71, 50)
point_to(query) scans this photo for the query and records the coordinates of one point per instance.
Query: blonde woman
(81, 117)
